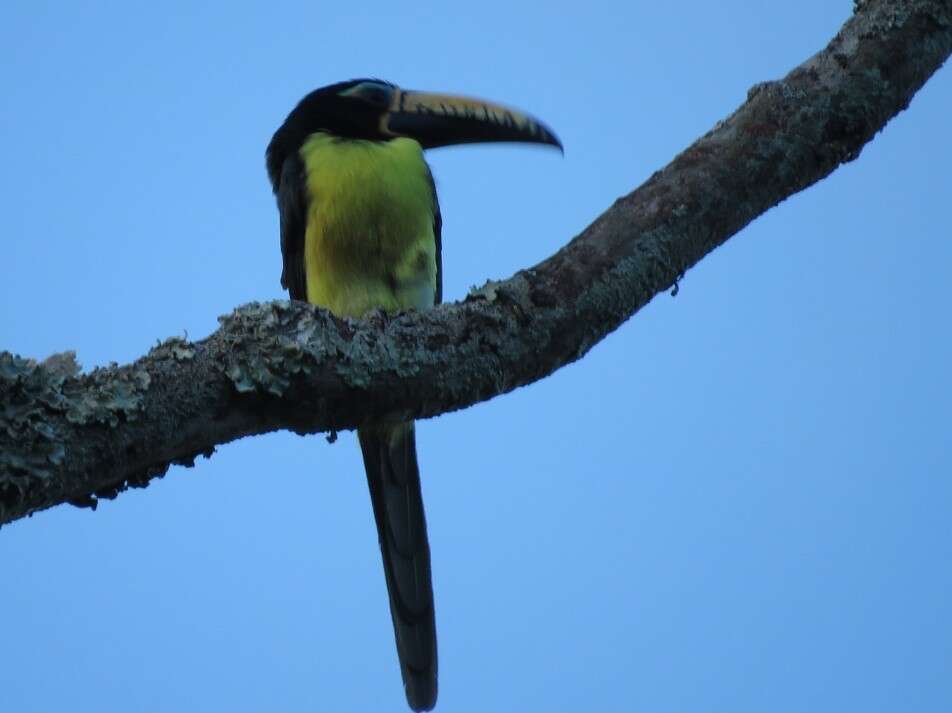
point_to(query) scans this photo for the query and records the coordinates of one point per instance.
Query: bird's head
(375, 110)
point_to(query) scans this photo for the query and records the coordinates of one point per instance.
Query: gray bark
(72, 437)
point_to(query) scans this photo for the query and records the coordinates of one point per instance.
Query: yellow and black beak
(442, 119)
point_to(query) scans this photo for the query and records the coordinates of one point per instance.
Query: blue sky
(738, 501)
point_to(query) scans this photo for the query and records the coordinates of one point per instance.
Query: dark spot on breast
(422, 261)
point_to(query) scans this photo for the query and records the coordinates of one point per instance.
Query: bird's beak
(442, 119)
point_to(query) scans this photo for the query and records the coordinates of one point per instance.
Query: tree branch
(68, 437)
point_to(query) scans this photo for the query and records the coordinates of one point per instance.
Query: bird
(361, 230)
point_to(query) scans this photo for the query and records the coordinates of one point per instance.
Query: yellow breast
(369, 239)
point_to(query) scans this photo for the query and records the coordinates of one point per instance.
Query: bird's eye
(370, 92)
(376, 95)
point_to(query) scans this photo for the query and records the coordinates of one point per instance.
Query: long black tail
(394, 481)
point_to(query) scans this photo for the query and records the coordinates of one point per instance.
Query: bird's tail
(394, 481)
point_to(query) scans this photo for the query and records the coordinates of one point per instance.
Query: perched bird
(360, 230)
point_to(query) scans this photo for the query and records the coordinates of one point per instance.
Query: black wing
(292, 205)
(438, 237)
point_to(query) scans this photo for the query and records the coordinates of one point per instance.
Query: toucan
(360, 230)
